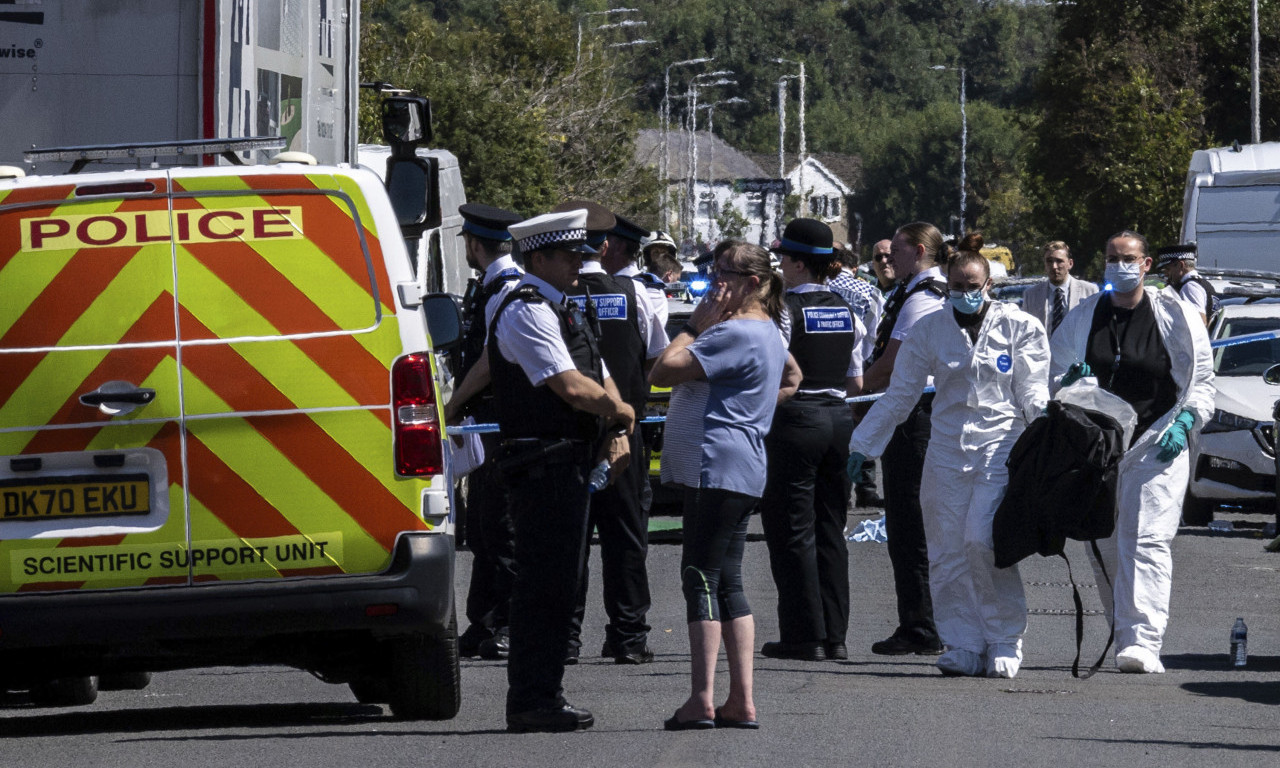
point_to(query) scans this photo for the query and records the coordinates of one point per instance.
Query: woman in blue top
(726, 368)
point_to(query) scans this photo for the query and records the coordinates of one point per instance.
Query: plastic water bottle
(599, 477)
(1239, 644)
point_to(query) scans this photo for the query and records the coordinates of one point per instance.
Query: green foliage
(1123, 111)
(1081, 116)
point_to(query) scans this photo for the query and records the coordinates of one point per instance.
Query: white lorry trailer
(79, 72)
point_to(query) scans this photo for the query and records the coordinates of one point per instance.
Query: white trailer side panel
(75, 72)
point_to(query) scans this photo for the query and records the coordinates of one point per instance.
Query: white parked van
(1231, 207)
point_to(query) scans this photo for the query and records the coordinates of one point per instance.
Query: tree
(1122, 112)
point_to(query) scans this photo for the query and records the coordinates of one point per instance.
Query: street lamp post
(782, 136)
(800, 155)
(627, 23)
(1255, 96)
(964, 140)
(665, 157)
(691, 107)
(711, 161)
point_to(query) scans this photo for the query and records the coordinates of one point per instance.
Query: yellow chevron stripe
(255, 460)
(59, 377)
(206, 526)
(25, 277)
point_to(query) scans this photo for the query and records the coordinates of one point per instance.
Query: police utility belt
(528, 456)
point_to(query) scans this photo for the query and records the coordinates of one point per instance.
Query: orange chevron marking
(341, 477)
(230, 498)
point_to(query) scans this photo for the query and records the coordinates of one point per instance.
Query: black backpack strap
(1075, 594)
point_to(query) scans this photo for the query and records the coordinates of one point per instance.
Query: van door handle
(117, 397)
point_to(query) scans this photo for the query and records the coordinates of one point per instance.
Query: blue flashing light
(699, 286)
(1106, 286)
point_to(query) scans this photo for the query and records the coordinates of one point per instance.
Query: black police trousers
(491, 538)
(902, 467)
(803, 511)
(622, 522)
(549, 509)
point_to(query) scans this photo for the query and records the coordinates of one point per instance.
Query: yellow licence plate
(85, 496)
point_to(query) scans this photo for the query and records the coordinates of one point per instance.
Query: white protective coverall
(986, 395)
(1149, 495)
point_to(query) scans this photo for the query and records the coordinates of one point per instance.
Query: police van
(219, 433)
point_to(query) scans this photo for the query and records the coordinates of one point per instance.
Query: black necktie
(1059, 308)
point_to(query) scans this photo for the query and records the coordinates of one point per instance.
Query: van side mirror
(406, 123)
(444, 320)
(412, 185)
(1272, 375)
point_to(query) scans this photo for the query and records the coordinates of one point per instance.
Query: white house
(825, 181)
(714, 190)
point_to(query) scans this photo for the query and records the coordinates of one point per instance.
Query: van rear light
(415, 418)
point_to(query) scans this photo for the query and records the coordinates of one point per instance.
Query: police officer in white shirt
(488, 525)
(1178, 263)
(557, 409)
(630, 339)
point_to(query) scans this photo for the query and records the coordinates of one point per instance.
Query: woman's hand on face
(711, 309)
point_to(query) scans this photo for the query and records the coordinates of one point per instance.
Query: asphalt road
(867, 711)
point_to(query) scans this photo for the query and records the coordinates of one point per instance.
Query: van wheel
(124, 681)
(368, 690)
(66, 692)
(425, 681)
(1196, 511)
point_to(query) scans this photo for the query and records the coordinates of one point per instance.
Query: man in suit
(1051, 300)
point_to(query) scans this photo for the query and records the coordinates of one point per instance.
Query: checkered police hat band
(545, 239)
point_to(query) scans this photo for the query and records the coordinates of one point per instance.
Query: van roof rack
(83, 155)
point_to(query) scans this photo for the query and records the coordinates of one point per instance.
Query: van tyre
(425, 681)
(66, 692)
(124, 681)
(1196, 511)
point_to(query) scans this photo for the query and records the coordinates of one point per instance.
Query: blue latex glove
(1076, 372)
(1174, 439)
(854, 467)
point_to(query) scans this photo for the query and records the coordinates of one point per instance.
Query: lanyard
(1117, 341)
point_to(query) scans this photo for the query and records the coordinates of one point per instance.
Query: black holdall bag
(1063, 472)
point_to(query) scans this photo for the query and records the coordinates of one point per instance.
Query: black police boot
(497, 647)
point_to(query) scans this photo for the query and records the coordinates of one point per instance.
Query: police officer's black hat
(599, 219)
(1171, 253)
(487, 221)
(628, 230)
(807, 239)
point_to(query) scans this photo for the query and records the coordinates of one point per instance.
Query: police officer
(630, 339)
(555, 403)
(806, 496)
(1178, 264)
(915, 252)
(488, 250)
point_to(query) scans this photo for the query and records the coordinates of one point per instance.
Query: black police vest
(1211, 302)
(474, 332)
(823, 335)
(524, 410)
(894, 306)
(615, 307)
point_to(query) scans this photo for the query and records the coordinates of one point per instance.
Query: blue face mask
(1124, 276)
(967, 302)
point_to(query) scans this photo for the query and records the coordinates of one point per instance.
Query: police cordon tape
(480, 429)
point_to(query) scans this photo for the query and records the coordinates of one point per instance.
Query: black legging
(715, 537)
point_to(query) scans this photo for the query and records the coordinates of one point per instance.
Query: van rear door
(90, 439)
(289, 331)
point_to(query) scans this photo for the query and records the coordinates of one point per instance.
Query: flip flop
(674, 723)
(723, 722)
